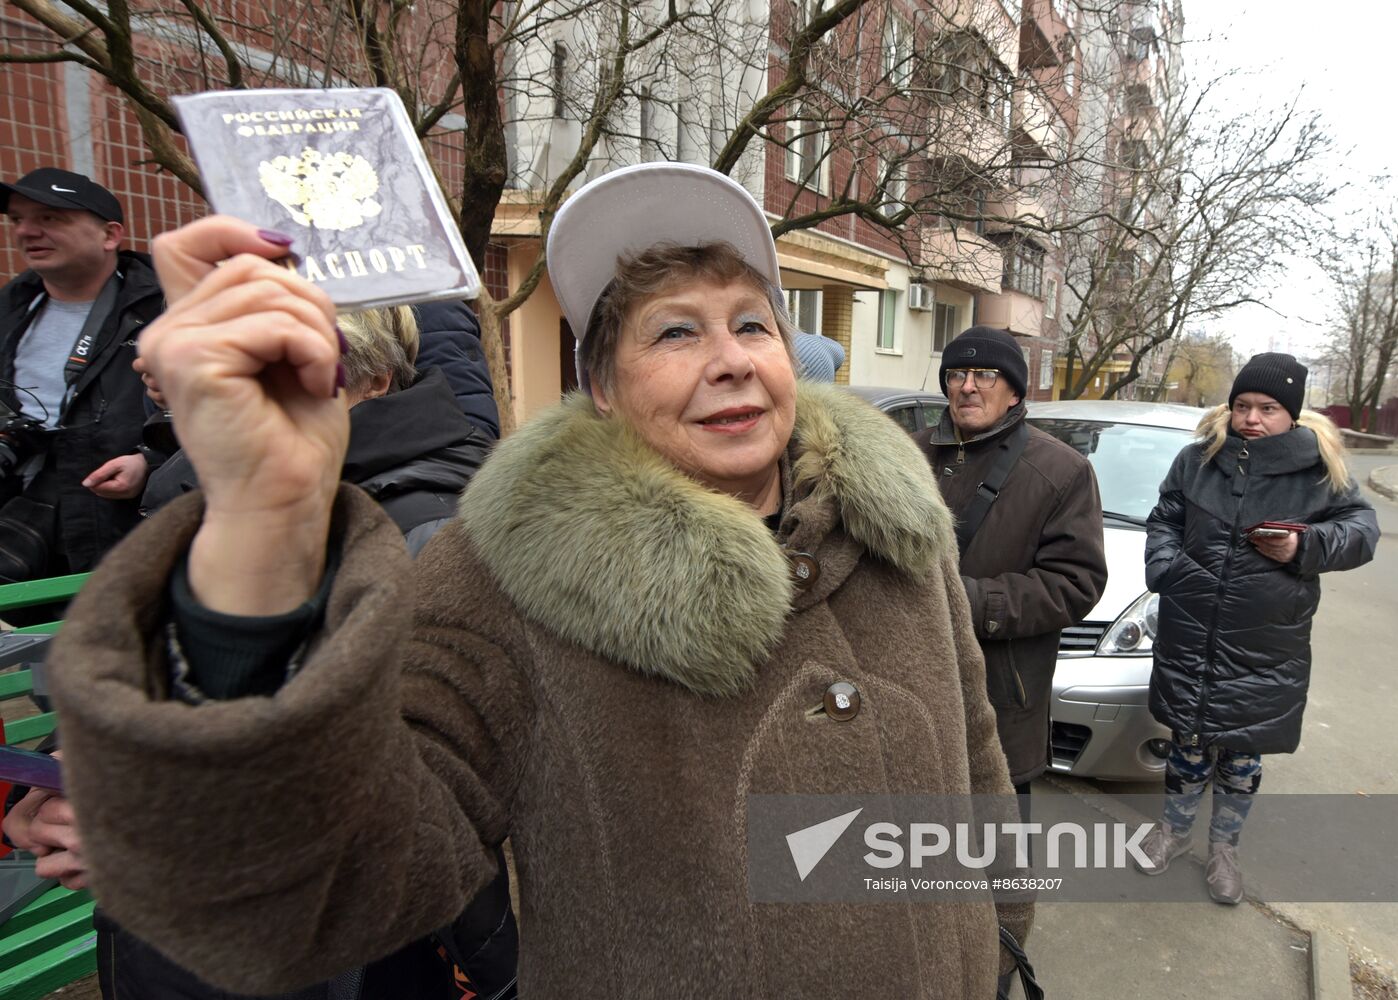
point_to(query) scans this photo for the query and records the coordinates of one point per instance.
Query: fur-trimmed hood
(598, 539)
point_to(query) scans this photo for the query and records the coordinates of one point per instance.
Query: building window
(805, 152)
(943, 327)
(1024, 269)
(996, 96)
(1135, 153)
(888, 321)
(897, 51)
(893, 177)
(1046, 369)
(1051, 299)
(1070, 78)
(1142, 41)
(803, 306)
(1138, 97)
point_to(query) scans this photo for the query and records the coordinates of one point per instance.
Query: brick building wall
(61, 115)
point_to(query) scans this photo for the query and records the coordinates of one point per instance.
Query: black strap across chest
(81, 354)
(988, 491)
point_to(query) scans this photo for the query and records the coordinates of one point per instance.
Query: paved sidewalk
(1167, 950)
(1384, 480)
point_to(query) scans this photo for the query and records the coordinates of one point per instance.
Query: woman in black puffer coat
(1233, 648)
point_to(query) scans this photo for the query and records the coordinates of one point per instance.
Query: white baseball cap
(629, 210)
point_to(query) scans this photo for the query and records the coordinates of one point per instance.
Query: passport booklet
(343, 173)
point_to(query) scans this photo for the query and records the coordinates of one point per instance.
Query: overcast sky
(1339, 55)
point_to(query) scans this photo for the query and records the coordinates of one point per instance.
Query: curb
(1329, 967)
(1382, 488)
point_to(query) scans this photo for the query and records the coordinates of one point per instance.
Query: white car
(1102, 727)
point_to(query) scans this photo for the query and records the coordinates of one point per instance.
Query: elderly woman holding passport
(292, 750)
(1249, 517)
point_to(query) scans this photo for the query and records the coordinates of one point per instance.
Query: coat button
(805, 571)
(842, 701)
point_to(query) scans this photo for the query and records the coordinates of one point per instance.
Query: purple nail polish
(272, 236)
(340, 336)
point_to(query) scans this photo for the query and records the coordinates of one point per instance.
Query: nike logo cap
(63, 189)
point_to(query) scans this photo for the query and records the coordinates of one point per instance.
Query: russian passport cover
(343, 173)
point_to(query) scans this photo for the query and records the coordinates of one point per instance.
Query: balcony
(962, 131)
(1040, 132)
(1043, 35)
(1013, 311)
(1014, 209)
(992, 20)
(961, 259)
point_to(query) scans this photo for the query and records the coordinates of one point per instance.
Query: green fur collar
(598, 539)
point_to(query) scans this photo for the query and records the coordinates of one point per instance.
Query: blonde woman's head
(382, 352)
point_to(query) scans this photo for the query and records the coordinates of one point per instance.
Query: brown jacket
(604, 661)
(1036, 565)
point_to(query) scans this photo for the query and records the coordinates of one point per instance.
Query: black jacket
(450, 339)
(413, 451)
(1036, 565)
(1233, 650)
(103, 417)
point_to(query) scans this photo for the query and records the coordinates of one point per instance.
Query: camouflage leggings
(1235, 777)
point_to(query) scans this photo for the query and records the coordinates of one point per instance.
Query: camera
(20, 437)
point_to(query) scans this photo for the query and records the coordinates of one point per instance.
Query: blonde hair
(381, 341)
(1213, 431)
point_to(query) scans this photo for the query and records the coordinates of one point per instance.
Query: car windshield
(1130, 460)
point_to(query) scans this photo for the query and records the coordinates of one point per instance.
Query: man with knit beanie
(1030, 527)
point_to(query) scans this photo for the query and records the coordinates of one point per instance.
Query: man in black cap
(1029, 524)
(71, 408)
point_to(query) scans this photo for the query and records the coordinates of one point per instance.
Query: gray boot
(1162, 845)
(1224, 876)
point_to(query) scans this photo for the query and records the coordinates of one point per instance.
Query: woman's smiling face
(703, 375)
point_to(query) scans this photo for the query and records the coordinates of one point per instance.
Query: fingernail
(340, 336)
(339, 377)
(272, 236)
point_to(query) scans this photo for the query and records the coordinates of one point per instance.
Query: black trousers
(130, 969)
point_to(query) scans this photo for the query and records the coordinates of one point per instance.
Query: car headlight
(1133, 634)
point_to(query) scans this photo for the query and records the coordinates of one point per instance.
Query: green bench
(50, 942)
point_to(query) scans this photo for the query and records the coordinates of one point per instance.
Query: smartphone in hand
(1273, 529)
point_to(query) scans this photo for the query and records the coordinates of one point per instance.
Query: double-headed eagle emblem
(325, 190)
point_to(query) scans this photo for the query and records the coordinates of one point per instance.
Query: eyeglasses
(983, 378)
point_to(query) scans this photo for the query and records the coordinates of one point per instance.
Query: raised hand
(247, 358)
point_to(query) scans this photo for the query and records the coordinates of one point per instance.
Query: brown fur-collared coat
(602, 660)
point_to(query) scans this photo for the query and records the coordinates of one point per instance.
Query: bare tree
(1365, 344)
(1200, 370)
(1182, 212)
(914, 120)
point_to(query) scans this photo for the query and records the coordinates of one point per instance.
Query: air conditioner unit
(920, 297)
